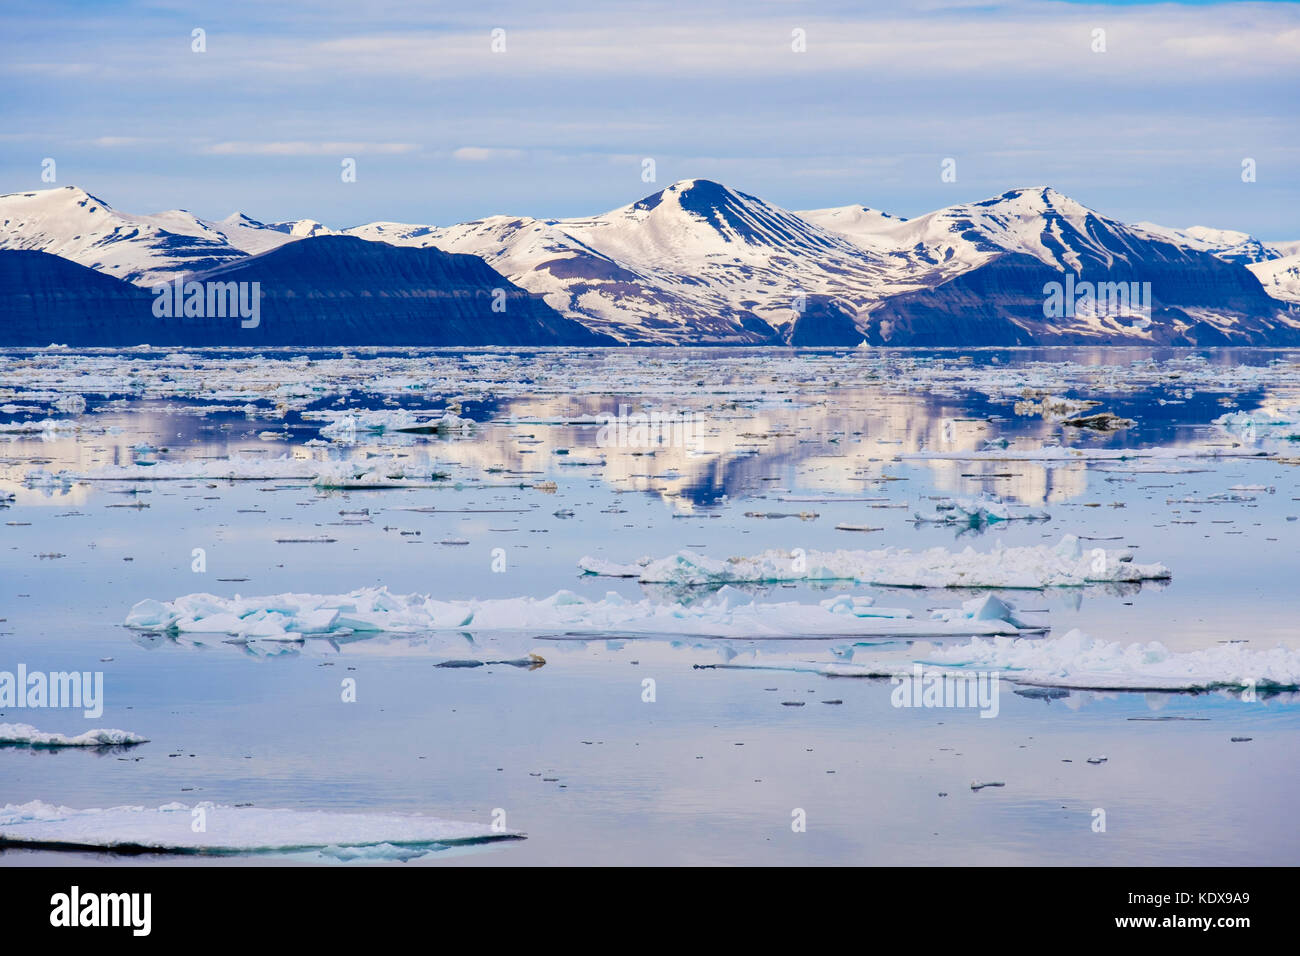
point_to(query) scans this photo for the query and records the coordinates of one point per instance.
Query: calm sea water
(717, 766)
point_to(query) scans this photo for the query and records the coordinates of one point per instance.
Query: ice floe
(978, 513)
(25, 735)
(350, 426)
(226, 829)
(729, 613)
(1068, 564)
(1261, 424)
(1076, 660)
(1062, 453)
(324, 474)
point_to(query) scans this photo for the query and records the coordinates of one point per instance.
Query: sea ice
(25, 735)
(169, 829)
(729, 613)
(1068, 564)
(1076, 660)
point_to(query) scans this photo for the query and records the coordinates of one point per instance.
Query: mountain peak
(242, 219)
(58, 195)
(308, 227)
(690, 194)
(1036, 200)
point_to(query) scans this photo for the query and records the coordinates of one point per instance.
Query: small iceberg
(25, 735)
(980, 513)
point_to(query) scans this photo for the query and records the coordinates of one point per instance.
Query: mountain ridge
(698, 262)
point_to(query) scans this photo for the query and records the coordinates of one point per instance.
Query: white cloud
(482, 154)
(300, 148)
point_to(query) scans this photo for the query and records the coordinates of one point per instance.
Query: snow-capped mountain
(695, 262)
(700, 263)
(1228, 244)
(1275, 264)
(145, 250)
(991, 261)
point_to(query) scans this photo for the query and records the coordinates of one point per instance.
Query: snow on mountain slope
(1039, 222)
(694, 262)
(1280, 277)
(867, 227)
(143, 249)
(71, 223)
(253, 237)
(1228, 244)
(710, 253)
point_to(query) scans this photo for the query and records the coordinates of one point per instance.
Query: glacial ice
(1068, 564)
(168, 829)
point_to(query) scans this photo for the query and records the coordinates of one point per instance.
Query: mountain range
(696, 263)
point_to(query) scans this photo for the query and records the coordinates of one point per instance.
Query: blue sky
(444, 129)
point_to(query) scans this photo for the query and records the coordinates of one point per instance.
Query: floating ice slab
(1065, 565)
(1060, 453)
(25, 735)
(48, 426)
(963, 511)
(350, 426)
(1079, 661)
(169, 829)
(729, 613)
(1262, 423)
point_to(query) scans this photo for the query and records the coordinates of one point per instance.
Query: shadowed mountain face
(340, 290)
(1002, 303)
(328, 290)
(45, 299)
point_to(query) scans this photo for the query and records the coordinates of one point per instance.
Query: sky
(1149, 120)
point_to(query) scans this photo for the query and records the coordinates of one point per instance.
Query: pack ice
(170, 829)
(729, 613)
(1068, 564)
